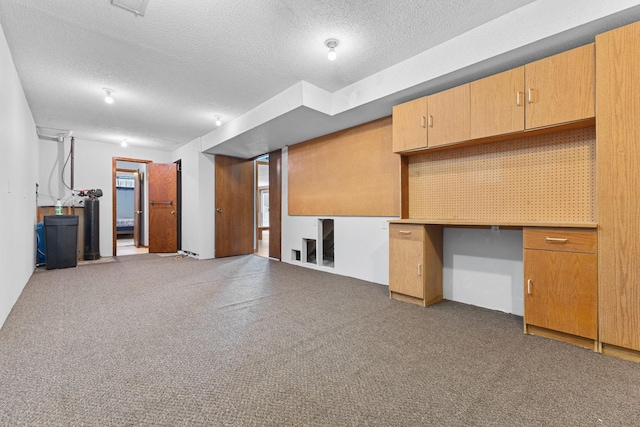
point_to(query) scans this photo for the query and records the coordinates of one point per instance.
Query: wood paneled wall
(348, 173)
(545, 178)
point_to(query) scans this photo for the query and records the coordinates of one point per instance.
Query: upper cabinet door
(497, 104)
(561, 88)
(448, 119)
(410, 125)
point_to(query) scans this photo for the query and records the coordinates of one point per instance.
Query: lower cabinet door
(560, 291)
(406, 262)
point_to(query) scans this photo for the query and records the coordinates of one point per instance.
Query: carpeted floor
(169, 341)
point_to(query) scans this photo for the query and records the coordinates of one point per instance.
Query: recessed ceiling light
(108, 99)
(332, 44)
(124, 143)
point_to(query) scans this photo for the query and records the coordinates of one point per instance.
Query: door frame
(258, 201)
(114, 160)
(136, 189)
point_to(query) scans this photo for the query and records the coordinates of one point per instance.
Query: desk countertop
(472, 223)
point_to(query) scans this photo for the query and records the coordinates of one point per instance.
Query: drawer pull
(419, 270)
(529, 287)
(556, 240)
(405, 232)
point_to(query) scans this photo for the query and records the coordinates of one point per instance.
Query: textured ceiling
(186, 61)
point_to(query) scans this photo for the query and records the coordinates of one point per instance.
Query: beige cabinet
(497, 104)
(432, 121)
(415, 263)
(618, 190)
(409, 126)
(552, 91)
(448, 116)
(561, 286)
(561, 88)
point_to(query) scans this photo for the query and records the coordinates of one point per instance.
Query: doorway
(156, 207)
(129, 216)
(262, 206)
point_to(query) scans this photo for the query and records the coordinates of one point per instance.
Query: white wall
(484, 268)
(361, 243)
(198, 196)
(480, 267)
(93, 169)
(19, 152)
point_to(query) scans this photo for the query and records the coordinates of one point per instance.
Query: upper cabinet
(561, 88)
(448, 118)
(552, 91)
(410, 125)
(497, 104)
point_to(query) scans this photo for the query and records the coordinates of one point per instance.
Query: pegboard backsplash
(545, 178)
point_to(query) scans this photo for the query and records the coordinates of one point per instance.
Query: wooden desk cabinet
(561, 88)
(561, 284)
(497, 104)
(415, 263)
(410, 125)
(553, 91)
(448, 116)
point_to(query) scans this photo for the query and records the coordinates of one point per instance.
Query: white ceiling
(185, 61)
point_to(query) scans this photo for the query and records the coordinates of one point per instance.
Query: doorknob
(138, 212)
(219, 210)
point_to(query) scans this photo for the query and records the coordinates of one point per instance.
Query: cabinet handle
(419, 270)
(430, 121)
(404, 232)
(556, 240)
(423, 121)
(529, 287)
(519, 98)
(530, 96)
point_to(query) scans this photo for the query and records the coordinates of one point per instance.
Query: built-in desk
(560, 272)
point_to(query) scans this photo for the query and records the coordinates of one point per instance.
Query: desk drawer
(415, 232)
(560, 239)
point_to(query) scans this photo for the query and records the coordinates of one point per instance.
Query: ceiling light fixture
(218, 120)
(332, 44)
(108, 99)
(124, 143)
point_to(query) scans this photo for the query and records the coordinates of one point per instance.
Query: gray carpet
(168, 341)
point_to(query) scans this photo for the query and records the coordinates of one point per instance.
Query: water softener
(92, 224)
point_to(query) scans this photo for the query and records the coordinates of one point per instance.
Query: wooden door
(410, 125)
(275, 204)
(618, 184)
(407, 259)
(448, 120)
(497, 104)
(405, 267)
(234, 206)
(137, 209)
(561, 88)
(163, 193)
(561, 291)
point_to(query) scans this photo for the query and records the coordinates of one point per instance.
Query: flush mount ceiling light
(332, 44)
(124, 143)
(137, 7)
(108, 99)
(218, 120)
